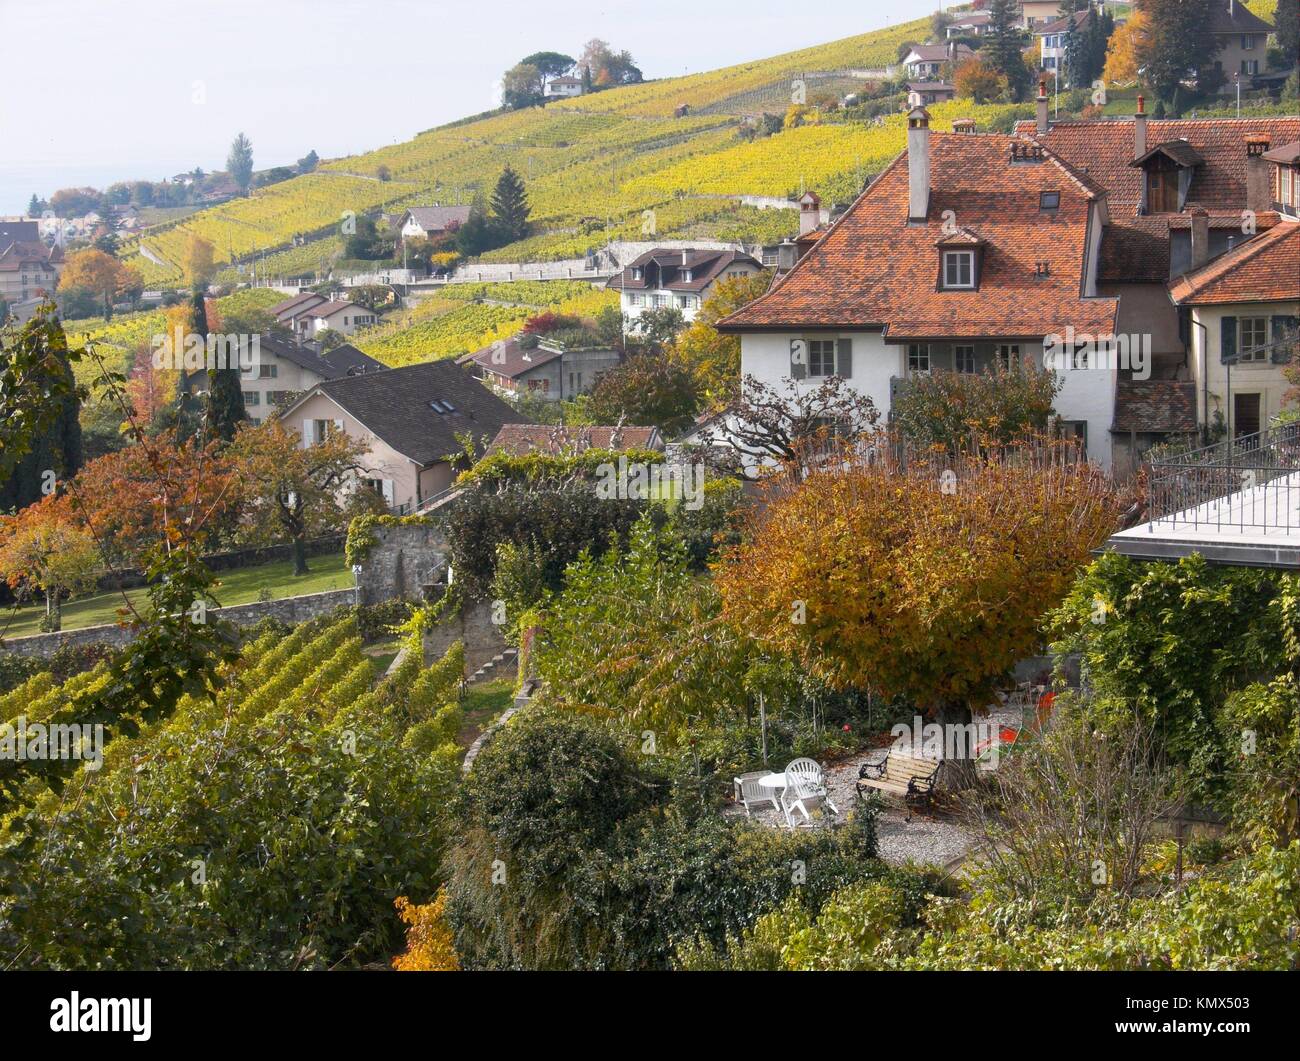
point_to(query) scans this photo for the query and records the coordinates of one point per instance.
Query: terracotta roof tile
(1155, 405)
(1263, 269)
(874, 269)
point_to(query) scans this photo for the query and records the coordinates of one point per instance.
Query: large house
(928, 62)
(309, 314)
(283, 369)
(1053, 245)
(1051, 38)
(429, 222)
(566, 87)
(28, 268)
(1243, 40)
(529, 364)
(676, 279)
(414, 421)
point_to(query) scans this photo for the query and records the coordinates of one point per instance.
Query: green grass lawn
(242, 585)
(482, 704)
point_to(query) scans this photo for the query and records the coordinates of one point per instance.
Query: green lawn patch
(243, 585)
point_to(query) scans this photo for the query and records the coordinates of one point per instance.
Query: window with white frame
(637, 300)
(958, 269)
(918, 359)
(963, 359)
(1009, 355)
(1252, 338)
(821, 357)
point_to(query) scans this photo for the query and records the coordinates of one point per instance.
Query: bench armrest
(869, 771)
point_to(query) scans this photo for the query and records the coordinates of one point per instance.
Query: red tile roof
(1263, 269)
(874, 269)
(1136, 247)
(547, 438)
(1155, 406)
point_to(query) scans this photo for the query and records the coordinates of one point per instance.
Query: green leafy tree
(955, 410)
(550, 64)
(1286, 22)
(521, 86)
(646, 390)
(240, 162)
(1175, 45)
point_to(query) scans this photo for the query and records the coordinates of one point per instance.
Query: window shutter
(798, 359)
(1283, 328)
(1227, 339)
(844, 358)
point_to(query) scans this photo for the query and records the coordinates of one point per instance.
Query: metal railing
(1249, 482)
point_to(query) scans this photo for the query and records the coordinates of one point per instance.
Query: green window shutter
(1227, 339)
(1283, 328)
(844, 358)
(798, 359)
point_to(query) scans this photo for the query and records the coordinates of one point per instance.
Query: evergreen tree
(225, 395)
(1003, 42)
(510, 205)
(57, 449)
(1286, 19)
(240, 161)
(34, 206)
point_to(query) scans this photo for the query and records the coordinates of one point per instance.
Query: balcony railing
(1247, 483)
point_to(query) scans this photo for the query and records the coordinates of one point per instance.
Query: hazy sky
(104, 90)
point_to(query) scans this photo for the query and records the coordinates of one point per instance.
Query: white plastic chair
(748, 792)
(804, 786)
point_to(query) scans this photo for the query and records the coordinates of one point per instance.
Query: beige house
(28, 268)
(413, 421)
(1243, 310)
(346, 318)
(1243, 43)
(282, 369)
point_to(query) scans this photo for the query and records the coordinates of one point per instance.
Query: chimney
(1259, 179)
(1042, 106)
(1200, 237)
(918, 164)
(787, 256)
(963, 125)
(810, 214)
(1140, 129)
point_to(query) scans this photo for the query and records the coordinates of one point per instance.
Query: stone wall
(403, 560)
(288, 610)
(472, 625)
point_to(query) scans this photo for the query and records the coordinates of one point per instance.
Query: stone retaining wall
(288, 610)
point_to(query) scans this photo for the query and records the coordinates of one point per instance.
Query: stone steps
(488, 669)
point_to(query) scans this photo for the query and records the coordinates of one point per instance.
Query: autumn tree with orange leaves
(926, 580)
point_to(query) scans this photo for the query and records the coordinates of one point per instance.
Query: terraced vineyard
(454, 324)
(593, 165)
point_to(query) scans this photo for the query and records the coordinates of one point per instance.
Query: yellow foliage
(428, 937)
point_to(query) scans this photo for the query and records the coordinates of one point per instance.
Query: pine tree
(1003, 42)
(225, 395)
(510, 205)
(34, 206)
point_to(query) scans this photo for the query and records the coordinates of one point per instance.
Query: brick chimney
(918, 164)
(1042, 106)
(1200, 237)
(1259, 179)
(1140, 129)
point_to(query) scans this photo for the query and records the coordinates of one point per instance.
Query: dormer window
(638, 273)
(687, 276)
(958, 270)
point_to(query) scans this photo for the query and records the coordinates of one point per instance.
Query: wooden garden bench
(909, 777)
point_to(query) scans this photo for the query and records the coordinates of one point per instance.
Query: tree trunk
(53, 612)
(299, 554)
(959, 750)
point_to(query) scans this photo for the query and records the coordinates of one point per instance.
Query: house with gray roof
(414, 421)
(429, 222)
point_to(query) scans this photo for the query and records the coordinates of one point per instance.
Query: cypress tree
(225, 395)
(57, 449)
(1003, 42)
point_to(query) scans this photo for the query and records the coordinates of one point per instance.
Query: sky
(109, 90)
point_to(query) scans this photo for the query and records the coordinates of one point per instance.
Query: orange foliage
(928, 580)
